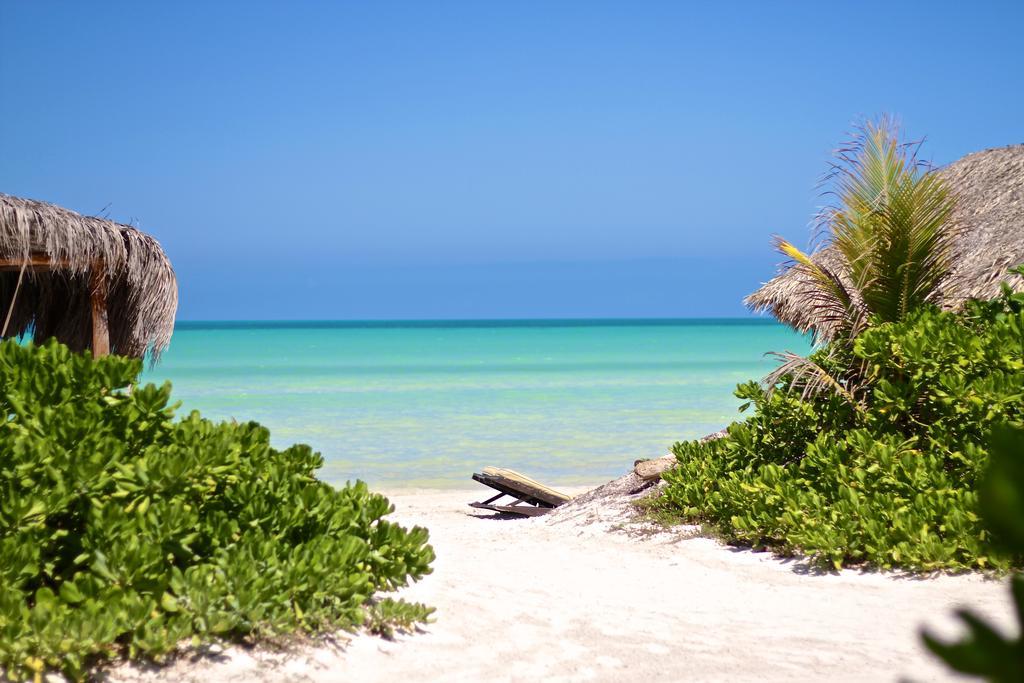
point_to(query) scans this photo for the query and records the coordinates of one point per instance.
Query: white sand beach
(583, 597)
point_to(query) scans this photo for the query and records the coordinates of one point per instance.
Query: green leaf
(70, 594)
(1002, 491)
(169, 603)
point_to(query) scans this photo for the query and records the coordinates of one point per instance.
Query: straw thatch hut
(988, 223)
(89, 282)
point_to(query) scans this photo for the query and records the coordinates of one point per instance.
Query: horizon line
(471, 322)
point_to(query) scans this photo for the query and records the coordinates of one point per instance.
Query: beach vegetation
(984, 650)
(890, 228)
(890, 480)
(890, 243)
(126, 531)
(870, 450)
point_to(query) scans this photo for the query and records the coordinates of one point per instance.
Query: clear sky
(354, 160)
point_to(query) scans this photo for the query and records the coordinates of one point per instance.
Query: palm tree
(891, 232)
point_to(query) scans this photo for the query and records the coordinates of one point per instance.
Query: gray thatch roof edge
(988, 222)
(143, 290)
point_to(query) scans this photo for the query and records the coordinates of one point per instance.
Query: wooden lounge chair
(531, 498)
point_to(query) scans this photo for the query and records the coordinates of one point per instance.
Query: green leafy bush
(890, 480)
(124, 531)
(984, 651)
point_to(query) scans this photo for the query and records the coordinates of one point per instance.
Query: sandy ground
(582, 597)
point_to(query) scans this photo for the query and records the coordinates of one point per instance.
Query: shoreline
(571, 597)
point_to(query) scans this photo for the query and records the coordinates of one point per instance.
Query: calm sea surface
(426, 404)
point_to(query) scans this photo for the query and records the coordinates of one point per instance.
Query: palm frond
(827, 297)
(892, 223)
(799, 372)
(890, 228)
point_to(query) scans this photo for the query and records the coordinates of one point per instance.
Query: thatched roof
(988, 223)
(143, 292)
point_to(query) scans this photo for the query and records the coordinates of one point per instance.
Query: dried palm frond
(142, 289)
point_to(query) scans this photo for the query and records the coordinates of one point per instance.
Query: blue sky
(479, 160)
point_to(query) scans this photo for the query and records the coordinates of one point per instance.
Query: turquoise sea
(426, 403)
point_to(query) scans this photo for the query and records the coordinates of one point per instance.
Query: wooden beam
(33, 262)
(98, 296)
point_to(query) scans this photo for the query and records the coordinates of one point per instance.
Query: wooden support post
(98, 296)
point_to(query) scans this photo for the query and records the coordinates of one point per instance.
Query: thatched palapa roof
(988, 223)
(58, 256)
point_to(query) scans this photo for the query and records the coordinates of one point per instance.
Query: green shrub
(124, 531)
(891, 481)
(984, 651)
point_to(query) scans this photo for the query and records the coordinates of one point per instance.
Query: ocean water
(426, 404)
